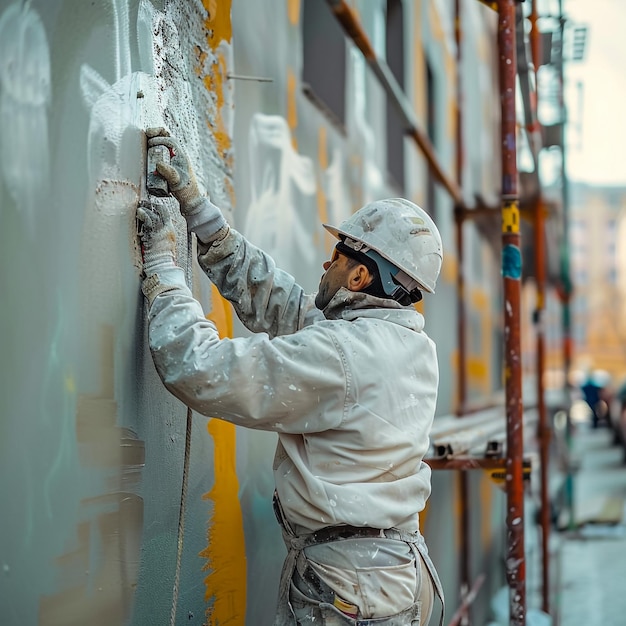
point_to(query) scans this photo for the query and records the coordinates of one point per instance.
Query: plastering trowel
(152, 184)
(156, 185)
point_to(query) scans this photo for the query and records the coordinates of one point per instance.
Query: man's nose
(326, 265)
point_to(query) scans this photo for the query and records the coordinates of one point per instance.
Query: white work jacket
(351, 390)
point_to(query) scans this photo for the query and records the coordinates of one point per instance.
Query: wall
(91, 444)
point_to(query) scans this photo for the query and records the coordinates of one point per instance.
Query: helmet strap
(389, 280)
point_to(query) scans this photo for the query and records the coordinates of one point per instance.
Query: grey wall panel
(91, 444)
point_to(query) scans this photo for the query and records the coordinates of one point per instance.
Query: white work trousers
(355, 576)
(383, 581)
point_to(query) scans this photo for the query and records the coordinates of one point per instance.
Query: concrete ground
(588, 562)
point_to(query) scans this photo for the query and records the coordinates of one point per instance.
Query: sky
(597, 129)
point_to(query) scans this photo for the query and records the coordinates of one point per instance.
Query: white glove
(158, 237)
(203, 217)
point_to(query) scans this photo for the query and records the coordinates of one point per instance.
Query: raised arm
(265, 298)
(254, 381)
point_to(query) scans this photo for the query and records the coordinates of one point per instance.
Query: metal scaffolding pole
(512, 272)
(565, 275)
(567, 283)
(459, 219)
(544, 431)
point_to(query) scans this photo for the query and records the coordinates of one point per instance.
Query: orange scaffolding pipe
(544, 430)
(511, 274)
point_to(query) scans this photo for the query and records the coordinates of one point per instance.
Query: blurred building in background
(598, 267)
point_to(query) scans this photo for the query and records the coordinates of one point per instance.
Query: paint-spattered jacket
(351, 390)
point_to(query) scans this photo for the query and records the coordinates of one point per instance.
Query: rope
(183, 491)
(181, 520)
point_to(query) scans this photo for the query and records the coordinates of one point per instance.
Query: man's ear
(359, 278)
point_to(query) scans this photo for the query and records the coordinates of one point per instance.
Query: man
(347, 378)
(594, 393)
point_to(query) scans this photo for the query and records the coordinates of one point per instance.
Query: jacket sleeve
(265, 298)
(291, 384)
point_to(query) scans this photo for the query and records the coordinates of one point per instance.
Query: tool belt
(297, 543)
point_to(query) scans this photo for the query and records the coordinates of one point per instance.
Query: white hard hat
(400, 232)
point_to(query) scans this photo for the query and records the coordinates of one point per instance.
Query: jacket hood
(350, 305)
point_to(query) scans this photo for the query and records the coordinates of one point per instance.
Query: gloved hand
(158, 237)
(203, 217)
(178, 173)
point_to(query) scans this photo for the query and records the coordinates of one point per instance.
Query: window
(324, 59)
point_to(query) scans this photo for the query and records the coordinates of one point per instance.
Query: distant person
(594, 392)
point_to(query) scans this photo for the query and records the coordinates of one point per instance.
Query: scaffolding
(493, 438)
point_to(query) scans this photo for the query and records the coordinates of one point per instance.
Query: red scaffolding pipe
(511, 273)
(543, 428)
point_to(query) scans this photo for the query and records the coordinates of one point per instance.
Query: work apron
(332, 616)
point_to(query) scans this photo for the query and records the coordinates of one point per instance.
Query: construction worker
(347, 378)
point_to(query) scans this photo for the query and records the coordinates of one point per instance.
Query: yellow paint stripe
(214, 84)
(322, 203)
(225, 553)
(454, 368)
(218, 22)
(218, 28)
(292, 109)
(478, 366)
(423, 518)
(225, 585)
(477, 373)
(293, 12)
(221, 313)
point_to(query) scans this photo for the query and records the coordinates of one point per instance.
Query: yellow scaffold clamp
(498, 476)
